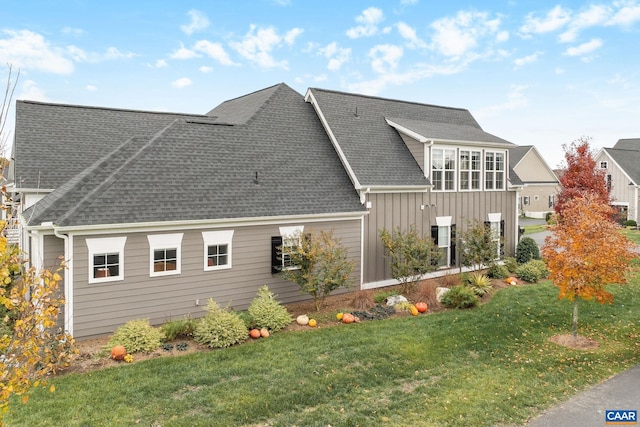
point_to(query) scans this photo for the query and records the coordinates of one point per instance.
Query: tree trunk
(575, 318)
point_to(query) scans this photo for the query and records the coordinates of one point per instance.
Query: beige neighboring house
(540, 183)
(622, 167)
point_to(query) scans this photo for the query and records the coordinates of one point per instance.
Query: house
(540, 183)
(622, 171)
(155, 213)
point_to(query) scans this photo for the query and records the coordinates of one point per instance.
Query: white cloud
(28, 50)
(368, 20)
(555, 19)
(205, 69)
(593, 16)
(584, 48)
(291, 35)
(502, 36)
(91, 88)
(181, 83)
(408, 2)
(161, 63)
(529, 59)
(409, 33)
(198, 22)
(516, 99)
(628, 14)
(384, 58)
(259, 43)
(76, 53)
(184, 53)
(73, 31)
(114, 53)
(31, 91)
(337, 56)
(214, 51)
(456, 36)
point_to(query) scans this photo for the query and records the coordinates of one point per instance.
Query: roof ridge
(111, 177)
(388, 99)
(93, 107)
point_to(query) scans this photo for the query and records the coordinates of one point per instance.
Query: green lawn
(492, 365)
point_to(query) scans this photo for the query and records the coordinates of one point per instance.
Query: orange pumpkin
(511, 280)
(118, 352)
(348, 318)
(422, 307)
(264, 332)
(254, 333)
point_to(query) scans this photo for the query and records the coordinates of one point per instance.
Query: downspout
(68, 280)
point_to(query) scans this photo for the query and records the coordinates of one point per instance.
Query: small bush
(630, 223)
(532, 271)
(460, 297)
(527, 250)
(498, 271)
(179, 328)
(479, 283)
(382, 296)
(547, 217)
(220, 327)
(266, 312)
(511, 264)
(137, 336)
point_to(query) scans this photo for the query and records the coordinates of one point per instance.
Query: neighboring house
(622, 173)
(540, 183)
(155, 212)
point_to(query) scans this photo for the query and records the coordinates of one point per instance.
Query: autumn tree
(317, 262)
(581, 176)
(410, 255)
(586, 252)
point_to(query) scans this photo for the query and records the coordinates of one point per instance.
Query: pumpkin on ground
(264, 332)
(313, 323)
(339, 316)
(118, 352)
(422, 307)
(414, 310)
(254, 333)
(348, 318)
(302, 320)
(511, 280)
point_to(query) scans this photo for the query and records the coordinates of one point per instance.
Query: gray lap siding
(99, 308)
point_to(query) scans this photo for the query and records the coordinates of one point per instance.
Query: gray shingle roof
(628, 160)
(517, 153)
(196, 170)
(628, 144)
(374, 150)
(54, 142)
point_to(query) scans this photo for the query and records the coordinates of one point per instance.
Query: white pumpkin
(302, 320)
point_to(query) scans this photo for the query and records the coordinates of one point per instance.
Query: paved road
(588, 408)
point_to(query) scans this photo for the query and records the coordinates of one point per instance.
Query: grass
(492, 365)
(537, 228)
(632, 234)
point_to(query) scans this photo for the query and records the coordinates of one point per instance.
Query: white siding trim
(106, 245)
(165, 241)
(212, 238)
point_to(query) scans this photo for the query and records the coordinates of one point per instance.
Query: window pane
(464, 180)
(475, 180)
(437, 180)
(449, 180)
(217, 255)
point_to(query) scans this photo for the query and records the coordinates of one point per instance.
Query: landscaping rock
(440, 292)
(395, 299)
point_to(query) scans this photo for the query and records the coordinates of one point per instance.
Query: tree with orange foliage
(581, 176)
(586, 252)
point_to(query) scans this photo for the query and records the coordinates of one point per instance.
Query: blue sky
(533, 72)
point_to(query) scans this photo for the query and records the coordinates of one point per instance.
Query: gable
(531, 167)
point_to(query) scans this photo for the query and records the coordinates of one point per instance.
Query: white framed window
(494, 170)
(443, 169)
(290, 239)
(604, 164)
(443, 239)
(495, 224)
(470, 170)
(106, 259)
(165, 254)
(217, 249)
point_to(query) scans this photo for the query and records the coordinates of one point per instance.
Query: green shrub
(547, 217)
(266, 312)
(630, 223)
(511, 264)
(382, 296)
(179, 328)
(460, 297)
(220, 327)
(498, 271)
(526, 250)
(137, 336)
(479, 283)
(532, 271)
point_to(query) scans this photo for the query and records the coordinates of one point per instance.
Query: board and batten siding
(420, 209)
(99, 308)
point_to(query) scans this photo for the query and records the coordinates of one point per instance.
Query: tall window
(217, 249)
(443, 234)
(164, 254)
(494, 166)
(282, 247)
(443, 169)
(106, 257)
(470, 169)
(497, 230)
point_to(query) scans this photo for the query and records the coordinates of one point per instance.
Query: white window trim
(455, 170)
(165, 241)
(216, 238)
(290, 233)
(494, 170)
(470, 171)
(496, 218)
(445, 221)
(106, 245)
